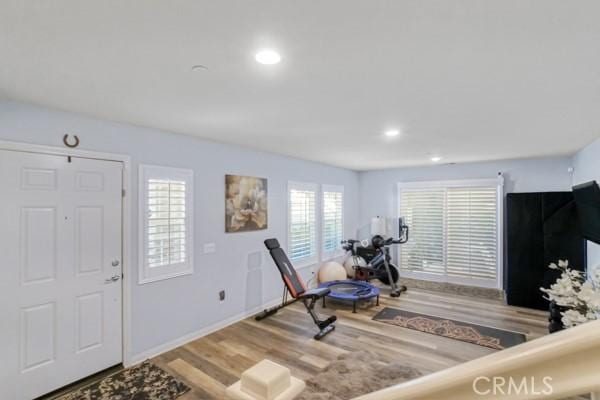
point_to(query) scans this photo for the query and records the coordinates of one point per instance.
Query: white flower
(586, 292)
(564, 287)
(591, 315)
(576, 273)
(572, 318)
(581, 297)
(593, 301)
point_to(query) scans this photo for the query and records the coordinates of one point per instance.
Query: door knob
(115, 263)
(112, 279)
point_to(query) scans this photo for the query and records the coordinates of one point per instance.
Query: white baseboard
(155, 351)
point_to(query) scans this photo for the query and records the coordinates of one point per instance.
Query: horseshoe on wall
(71, 145)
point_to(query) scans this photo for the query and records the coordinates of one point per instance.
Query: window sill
(332, 256)
(304, 262)
(162, 277)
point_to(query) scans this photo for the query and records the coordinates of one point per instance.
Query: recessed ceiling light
(267, 57)
(392, 133)
(436, 159)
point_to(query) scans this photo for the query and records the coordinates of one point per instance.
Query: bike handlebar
(401, 240)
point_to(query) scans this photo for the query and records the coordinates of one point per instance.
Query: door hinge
(122, 192)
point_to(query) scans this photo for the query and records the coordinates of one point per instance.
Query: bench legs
(325, 326)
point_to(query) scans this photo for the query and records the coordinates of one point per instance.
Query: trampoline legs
(377, 304)
(351, 291)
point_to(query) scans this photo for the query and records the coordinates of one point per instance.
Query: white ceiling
(468, 80)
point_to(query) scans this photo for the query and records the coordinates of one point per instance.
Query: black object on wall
(587, 198)
(542, 228)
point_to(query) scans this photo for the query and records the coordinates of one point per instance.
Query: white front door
(60, 264)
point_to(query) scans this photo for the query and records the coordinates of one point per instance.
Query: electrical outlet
(222, 295)
(210, 248)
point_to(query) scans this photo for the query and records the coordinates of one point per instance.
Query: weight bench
(298, 290)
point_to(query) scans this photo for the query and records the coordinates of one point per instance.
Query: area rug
(494, 338)
(355, 374)
(145, 381)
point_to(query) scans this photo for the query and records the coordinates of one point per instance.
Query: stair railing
(556, 366)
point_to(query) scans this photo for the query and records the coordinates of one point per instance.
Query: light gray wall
(378, 192)
(166, 310)
(587, 168)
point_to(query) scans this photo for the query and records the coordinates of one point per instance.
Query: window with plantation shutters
(472, 232)
(455, 233)
(166, 245)
(423, 210)
(165, 204)
(332, 220)
(302, 222)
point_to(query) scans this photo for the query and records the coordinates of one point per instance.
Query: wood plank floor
(210, 364)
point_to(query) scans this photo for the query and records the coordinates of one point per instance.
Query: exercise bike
(377, 260)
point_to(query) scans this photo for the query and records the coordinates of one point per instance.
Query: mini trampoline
(351, 290)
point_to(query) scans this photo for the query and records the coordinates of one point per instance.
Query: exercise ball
(331, 271)
(351, 261)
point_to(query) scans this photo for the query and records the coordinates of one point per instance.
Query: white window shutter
(472, 232)
(166, 223)
(332, 219)
(454, 231)
(302, 221)
(166, 233)
(423, 210)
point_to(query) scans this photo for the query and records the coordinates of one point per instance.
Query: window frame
(313, 259)
(465, 183)
(338, 252)
(147, 274)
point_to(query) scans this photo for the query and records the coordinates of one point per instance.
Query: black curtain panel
(542, 228)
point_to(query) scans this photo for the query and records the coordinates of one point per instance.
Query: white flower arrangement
(579, 296)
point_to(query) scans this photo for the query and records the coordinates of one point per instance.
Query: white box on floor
(266, 381)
